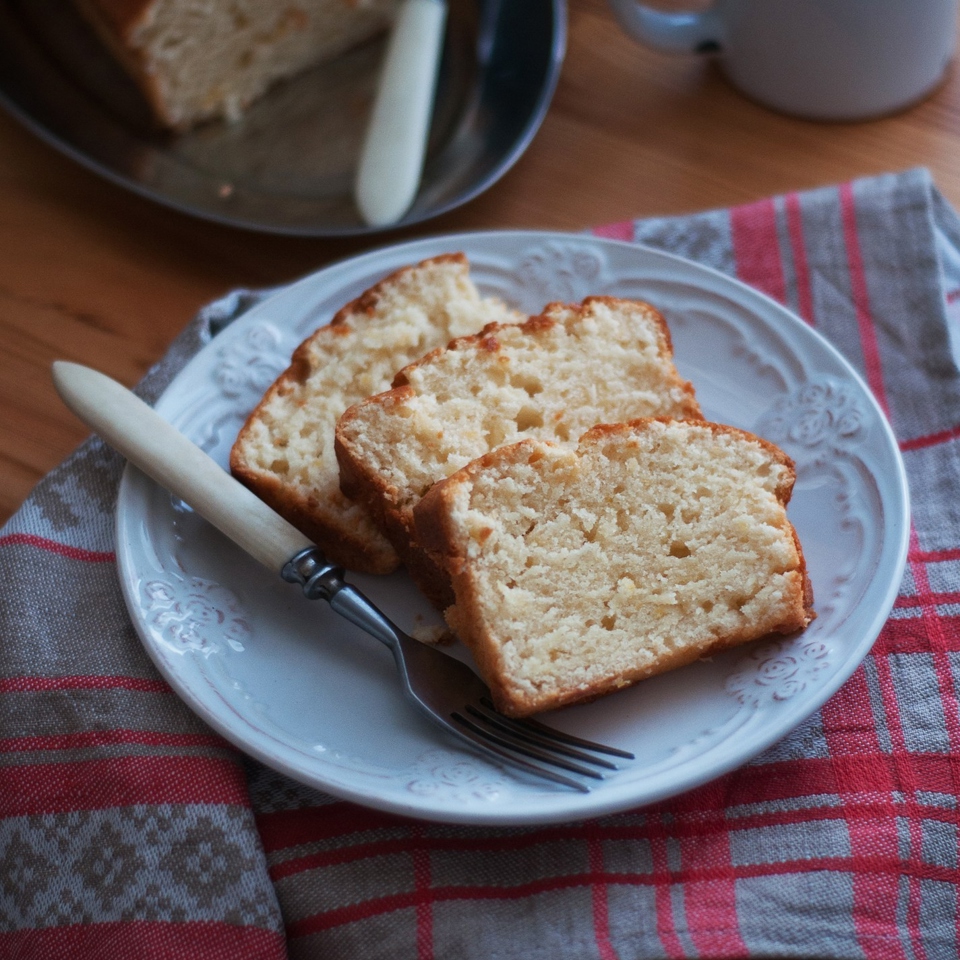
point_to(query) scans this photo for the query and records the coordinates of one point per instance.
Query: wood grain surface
(92, 273)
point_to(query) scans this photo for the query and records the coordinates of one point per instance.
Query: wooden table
(90, 272)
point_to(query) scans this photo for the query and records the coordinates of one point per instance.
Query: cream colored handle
(392, 158)
(167, 456)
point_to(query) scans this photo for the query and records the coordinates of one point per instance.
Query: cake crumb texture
(551, 378)
(197, 60)
(285, 450)
(579, 572)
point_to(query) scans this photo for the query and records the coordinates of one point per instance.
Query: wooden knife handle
(163, 453)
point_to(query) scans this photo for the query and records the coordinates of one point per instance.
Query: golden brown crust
(692, 407)
(437, 536)
(338, 545)
(666, 340)
(116, 23)
(359, 483)
(784, 489)
(366, 303)
(122, 17)
(486, 339)
(512, 704)
(339, 542)
(379, 499)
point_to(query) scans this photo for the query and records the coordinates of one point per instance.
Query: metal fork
(445, 689)
(449, 692)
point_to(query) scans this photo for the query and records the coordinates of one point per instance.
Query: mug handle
(698, 32)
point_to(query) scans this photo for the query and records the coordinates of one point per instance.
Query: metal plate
(288, 166)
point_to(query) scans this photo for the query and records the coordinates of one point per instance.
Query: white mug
(822, 59)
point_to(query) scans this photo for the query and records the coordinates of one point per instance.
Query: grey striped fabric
(128, 829)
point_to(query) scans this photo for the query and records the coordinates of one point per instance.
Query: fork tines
(507, 737)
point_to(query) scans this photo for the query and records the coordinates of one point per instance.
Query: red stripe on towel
(932, 556)
(850, 730)
(939, 646)
(905, 784)
(145, 940)
(798, 250)
(663, 880)
(930, 440)
(102, 738)
(756, 248)
(601, 910)
(292, 828)
(422, 884)
(52, 546)
(869, 347)
(711, 904)
(120, 782)
(39, 684)
(615, 231)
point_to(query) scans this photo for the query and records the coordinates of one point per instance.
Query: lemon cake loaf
(551, 377)
(577, 572)
(285, 453)
(196, 60)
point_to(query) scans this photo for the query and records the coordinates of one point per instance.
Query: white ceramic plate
(303, 691)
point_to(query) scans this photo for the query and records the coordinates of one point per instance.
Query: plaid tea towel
(128, 829)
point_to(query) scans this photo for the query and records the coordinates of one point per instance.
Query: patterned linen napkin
(128, 829)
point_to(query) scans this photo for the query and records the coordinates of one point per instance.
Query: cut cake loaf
(201, 59)
(284, 453)
(579, 572)
(552, 377)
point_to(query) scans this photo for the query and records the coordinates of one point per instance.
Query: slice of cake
(285, 454)
(579, 572)
(196, 60)
(552, 378)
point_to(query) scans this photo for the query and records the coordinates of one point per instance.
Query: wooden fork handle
(138, 432)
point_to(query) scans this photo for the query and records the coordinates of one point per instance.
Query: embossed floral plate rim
(275, 675)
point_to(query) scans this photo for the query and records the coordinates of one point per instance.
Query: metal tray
(288, 166)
